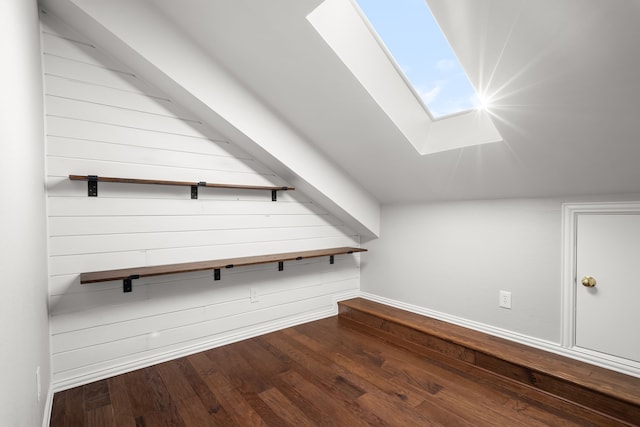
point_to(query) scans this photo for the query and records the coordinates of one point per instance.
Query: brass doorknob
(588, 281)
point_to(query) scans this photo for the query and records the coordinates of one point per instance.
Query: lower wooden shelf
(129, 274)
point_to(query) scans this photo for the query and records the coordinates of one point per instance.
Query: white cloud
(445, 64)
(431, 95)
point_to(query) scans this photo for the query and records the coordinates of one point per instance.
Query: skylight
(410, 32)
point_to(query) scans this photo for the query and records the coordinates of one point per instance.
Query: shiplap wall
(102, 119)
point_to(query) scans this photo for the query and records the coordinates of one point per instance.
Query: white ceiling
(564, 74)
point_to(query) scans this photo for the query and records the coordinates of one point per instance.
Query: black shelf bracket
(216, 271)
(194, 189)
(331, 259)
(92, 185)
(280, 265)
(274, 193)
(126, 283)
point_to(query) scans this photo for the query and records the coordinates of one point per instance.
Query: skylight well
(413, 38)
(431, 103)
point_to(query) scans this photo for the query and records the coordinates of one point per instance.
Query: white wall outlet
(505, 299)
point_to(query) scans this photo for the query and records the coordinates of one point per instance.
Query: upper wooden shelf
(94, 179)
(127, 274)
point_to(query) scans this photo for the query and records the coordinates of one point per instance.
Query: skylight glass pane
(415, 40)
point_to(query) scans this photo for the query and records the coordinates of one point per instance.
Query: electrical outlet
(505, 299)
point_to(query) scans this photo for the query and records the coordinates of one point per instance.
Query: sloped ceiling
(562, 75)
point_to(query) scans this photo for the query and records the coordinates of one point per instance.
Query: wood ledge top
(624, 387)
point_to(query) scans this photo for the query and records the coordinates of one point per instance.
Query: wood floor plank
(300, 401)
(202, 365)
(194, 413)
(342, 385)
(394, 413)
(435, 411)
(58, 409)
(139, 393)
(338, 382)
(167, 408)
(209, 400)
(177, 384)
(264, 411)
(189, 405)
(74, 407)
(245, 379)
(120, 402)
(263, 360)
(151, 401)
(101, 416)
(286, 410)
(95, 395)
(238, 408)
(364, 369)
(335, 414)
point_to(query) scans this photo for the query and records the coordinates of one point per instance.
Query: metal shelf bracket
(127, 284)
(92, 185)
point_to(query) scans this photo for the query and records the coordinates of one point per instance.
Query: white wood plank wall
(103, 120)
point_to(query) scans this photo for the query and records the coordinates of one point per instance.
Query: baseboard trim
(234, 336)
(48, 407)
(278, 324)
(540, 344)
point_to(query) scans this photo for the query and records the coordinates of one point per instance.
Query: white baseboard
(278, 324)
(233, 336)
(576, 354)
(48, 406)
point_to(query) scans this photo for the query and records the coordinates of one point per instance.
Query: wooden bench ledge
(607, 391)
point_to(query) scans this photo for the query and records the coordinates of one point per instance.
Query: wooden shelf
(94, 179)
(127, 274)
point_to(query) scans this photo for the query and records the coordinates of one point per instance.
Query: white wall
(146, 37)
(104, 120)
(455, 257)
(23, 262)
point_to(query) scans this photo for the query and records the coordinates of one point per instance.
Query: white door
(608, 314)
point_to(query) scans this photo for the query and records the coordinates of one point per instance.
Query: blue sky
(414, 39)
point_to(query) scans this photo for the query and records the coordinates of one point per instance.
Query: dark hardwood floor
(320, 373)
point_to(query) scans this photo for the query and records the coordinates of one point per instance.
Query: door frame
(570, 214)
